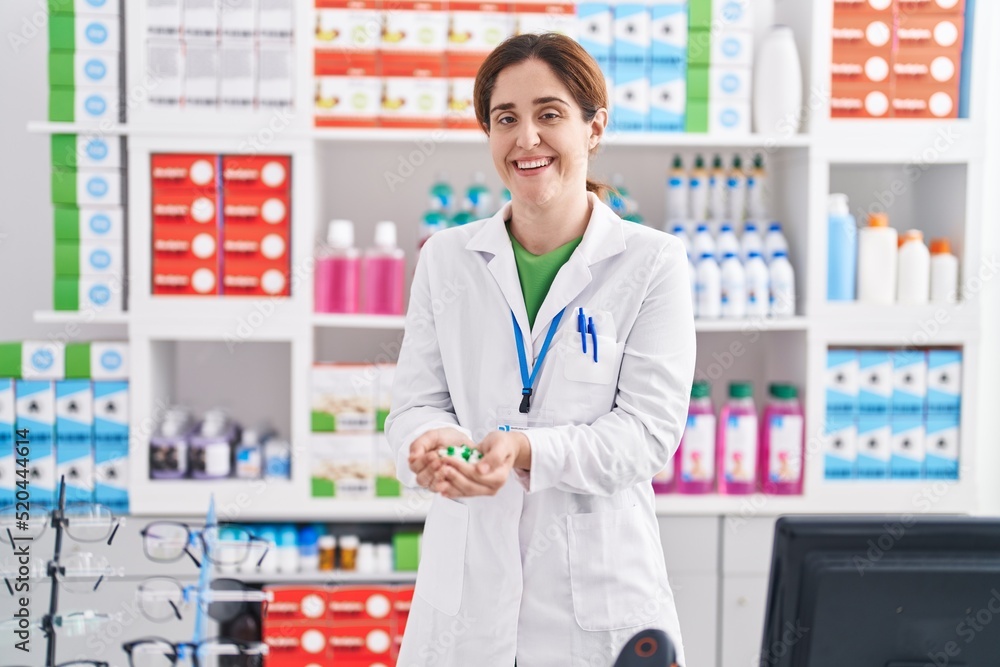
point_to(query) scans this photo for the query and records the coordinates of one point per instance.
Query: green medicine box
(696, 118)
(88, 224)
(73, 7)
(700, 13)
(68, 32)
(699, 48)
(84, 68)
(697, 83)
(68, 104)
(406, 551)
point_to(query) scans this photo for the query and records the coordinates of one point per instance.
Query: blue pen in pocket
(592, 330)
(581, 326)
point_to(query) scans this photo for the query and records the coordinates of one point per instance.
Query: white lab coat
(564, 564)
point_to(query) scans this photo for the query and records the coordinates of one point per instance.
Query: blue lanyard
(528, 380)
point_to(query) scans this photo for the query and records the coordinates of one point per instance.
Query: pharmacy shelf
(331, 577)
(917, 142)
(80, 317)
(753, 324)
(103, 128)
(321, 320)
(217, 318)
(923, 496)
(924, 325)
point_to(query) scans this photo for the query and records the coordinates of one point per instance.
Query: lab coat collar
(604, 238)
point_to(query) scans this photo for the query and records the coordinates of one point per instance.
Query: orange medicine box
(295, 603)
(926, 66)
(917, 100)
(299, 644)
(881, 8)
(196, 171)
(257, 243)
(933, 31)
(257, 208)
(186, 277)
(360, 604)
(849, 99)
(907, 7)
(266, 173)
(186, 242)
(348, 89)
(357, 644)
(859, 63)
(861, 30)
(255, 277)
(181, 206)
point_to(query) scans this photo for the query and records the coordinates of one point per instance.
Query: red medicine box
(909, 7)
(185, 277)
(251, 277)
(257, 208)
(863, 31)
(943, 33)
(925, 100)
(296, 644)
(173, 206)
(860, 100)
(256, 243)
(296, 603)
(186, 242)
(926, 66)
(361, 644)
(859, 63)
(264, 173)
(873, 8)
(361, 604)
(184, 170)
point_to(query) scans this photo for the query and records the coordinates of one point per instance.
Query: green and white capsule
(463, 452)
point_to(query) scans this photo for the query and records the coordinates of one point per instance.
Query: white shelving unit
(342, 173)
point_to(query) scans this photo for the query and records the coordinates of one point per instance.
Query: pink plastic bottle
(737, 441)
(782, 442)
(384, 273)
(338, 271)
(695, 459)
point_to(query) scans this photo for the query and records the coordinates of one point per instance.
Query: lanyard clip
(525, 401)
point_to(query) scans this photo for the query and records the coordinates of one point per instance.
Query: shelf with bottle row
(330, 577)
(240, 127)
(922, 496)
(918, 142)
(914, 325)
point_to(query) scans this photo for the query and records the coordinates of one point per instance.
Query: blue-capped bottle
(442, 195)
(478, 199)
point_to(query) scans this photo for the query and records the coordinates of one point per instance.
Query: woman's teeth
(534, 164)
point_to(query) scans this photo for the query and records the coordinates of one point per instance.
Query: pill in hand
(464, 452)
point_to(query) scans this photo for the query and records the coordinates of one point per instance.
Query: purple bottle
(211, 452)
(168, 448)
(695, 459)
(736, 453)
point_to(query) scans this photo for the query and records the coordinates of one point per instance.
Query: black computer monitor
(898, 591)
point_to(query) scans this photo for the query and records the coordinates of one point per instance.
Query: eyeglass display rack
(203, 594)
(56, 568)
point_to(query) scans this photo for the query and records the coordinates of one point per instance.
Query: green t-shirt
(536, 272)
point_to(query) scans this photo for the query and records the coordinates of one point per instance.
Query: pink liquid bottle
(384, 273)
(338, 271)
(695, 459)
(737, 441)
(782, 442)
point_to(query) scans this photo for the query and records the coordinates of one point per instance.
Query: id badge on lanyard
(510, 418)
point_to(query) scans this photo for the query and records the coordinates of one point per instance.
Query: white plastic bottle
(677, 192)
(678, 231)
(944, 272)
(782, 278)
(709, 287)
(288, 549)
(737, 191)
(914, 269)
(877, 257)
(703, 243)
(758, 285)
(727, 241)
(751, 241)
(734, 288)
(774, 241)
(757, 190)
(717, 190)
(698, 185)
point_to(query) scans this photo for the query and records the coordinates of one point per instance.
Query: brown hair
(573, 66)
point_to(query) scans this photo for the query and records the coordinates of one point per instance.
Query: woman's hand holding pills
(502, 450)
(424, 459)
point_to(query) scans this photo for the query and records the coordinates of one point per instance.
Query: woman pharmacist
(559, 340)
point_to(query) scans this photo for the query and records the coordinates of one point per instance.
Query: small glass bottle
(327, 553)
(349, 552)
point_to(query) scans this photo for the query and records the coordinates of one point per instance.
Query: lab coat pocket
(612, 566)
(441, 573)
(581, 367)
